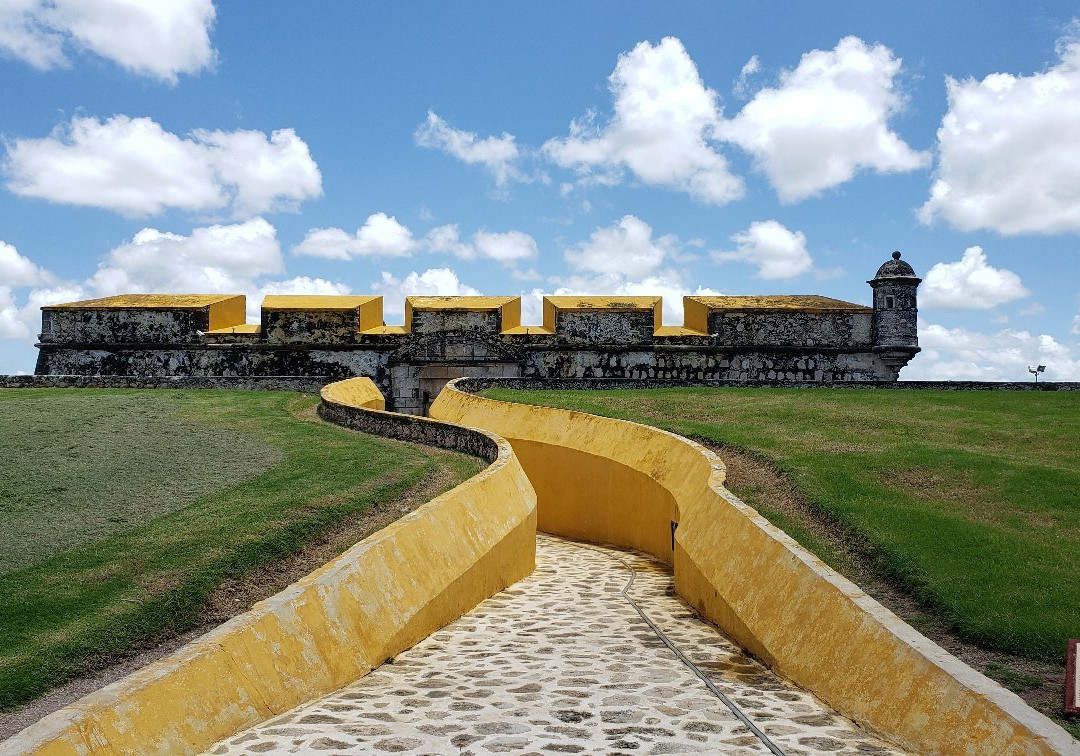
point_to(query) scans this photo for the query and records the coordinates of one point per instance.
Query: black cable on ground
(682, 657)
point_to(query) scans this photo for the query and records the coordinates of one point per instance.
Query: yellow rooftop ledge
(458, 303)
(148, 301)
(315, 301)
(786, 303)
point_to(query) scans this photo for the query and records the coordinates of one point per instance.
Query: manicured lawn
(968, 500)
(120, 511)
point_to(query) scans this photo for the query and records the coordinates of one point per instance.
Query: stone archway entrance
(432, 378)
(419, 371)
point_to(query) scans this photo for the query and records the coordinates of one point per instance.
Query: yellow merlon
(603, 303)
(785, 303)
(459, 303)
(315, 302)
(150, 301)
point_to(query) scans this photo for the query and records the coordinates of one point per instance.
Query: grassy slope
(222, 481)
(969, 499)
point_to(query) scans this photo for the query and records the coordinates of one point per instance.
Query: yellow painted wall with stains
(616, 482)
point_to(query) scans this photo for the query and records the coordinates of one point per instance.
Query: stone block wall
(770, 339)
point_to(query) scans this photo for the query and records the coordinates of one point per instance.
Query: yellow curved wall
(355, 392)
(789, 609)
(380, 597)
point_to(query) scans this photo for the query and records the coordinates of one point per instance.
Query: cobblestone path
(562, 663)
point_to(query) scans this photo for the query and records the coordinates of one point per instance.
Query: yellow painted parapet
(506, 309)
(617, 482)
(354, 392)
(555, 304)
(696, 309)
(368, 309)
(377, 599)
(224, 309)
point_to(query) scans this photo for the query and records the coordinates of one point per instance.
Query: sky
(551, 148)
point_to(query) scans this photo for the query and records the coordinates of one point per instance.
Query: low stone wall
(608, 384)
(380, 597)
(302, 383)
(623, 483)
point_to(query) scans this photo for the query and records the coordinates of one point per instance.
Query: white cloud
(304, 285)
(741, 86)
(19, 270)
(1009, 152)
(1075, 324)
(971, 283)
(432, 282)
(663, 119)
(267, 174)
(496, 154)
(11, 326)
(776, 251)
(505, 247)
(666, 283)
(380, 236)
(961, 354)
(133, 166)
(212, 259)
(297, 285)
(626, 247)
(445, 240)
(827, 119)
(160, 39)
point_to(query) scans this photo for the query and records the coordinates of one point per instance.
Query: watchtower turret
(896, 327)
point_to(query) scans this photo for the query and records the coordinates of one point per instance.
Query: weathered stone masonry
(782, 339)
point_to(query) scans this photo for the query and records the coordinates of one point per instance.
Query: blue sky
(606, 147)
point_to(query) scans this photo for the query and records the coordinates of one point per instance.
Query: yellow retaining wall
(377, 599)
(355, 392)
(617, 482)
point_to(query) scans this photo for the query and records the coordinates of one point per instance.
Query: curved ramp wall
(380, 597)
(618, 482)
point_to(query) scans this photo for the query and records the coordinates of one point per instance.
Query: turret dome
(895, 268)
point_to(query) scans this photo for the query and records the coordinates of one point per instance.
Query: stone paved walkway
(562, 663)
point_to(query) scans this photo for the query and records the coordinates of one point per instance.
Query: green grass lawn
(968, 500)
(121, 511)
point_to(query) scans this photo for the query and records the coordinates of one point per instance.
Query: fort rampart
(774, 339)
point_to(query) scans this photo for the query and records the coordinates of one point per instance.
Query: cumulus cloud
(666, 283)
(304, 285)
(962, 354)
(497, 155)
(11, 326)
(19, 270)
(445, 240)
(660, 129)
(971, 283)
(776, 251)
(1009, 152)
(627, 247)
(508, 247)
(134, 167)
(160, 39)
(505, 247)
(380, 236)
(741, 86)
(432, 282)
(827, 119)
(212, 259)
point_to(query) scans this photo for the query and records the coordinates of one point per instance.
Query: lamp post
(1036, 370)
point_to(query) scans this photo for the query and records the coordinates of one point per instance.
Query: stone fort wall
(776, 339)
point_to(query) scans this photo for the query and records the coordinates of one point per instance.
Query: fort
(781, 339)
